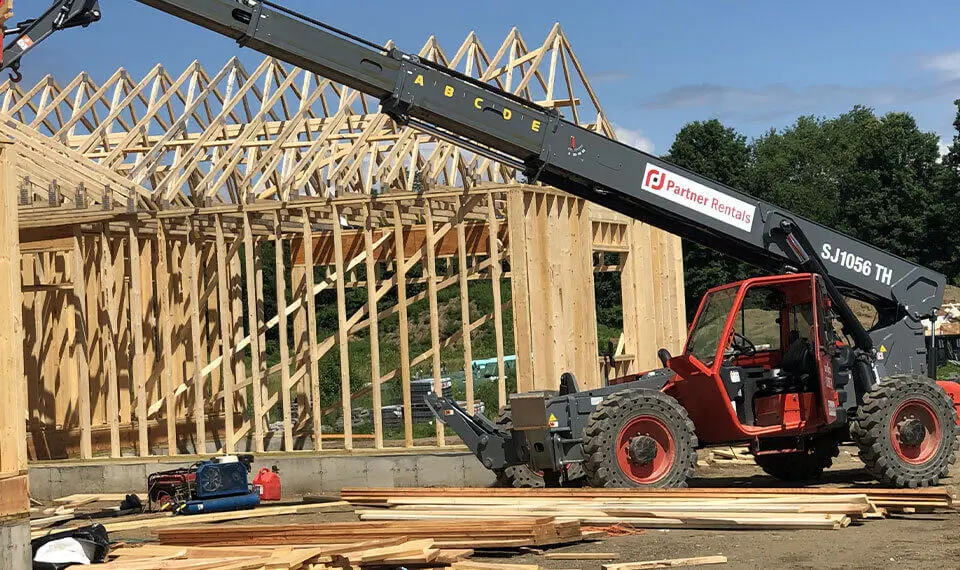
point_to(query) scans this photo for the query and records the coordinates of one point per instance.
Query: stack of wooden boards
(159, 520)
(704, 508)
(508, 532)
(383, 553)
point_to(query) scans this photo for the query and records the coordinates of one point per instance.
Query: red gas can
(267, 484)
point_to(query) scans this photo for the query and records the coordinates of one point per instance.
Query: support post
(15, 528)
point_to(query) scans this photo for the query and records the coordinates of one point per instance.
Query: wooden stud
(518, 203)
(81, 346)
(194, 249)
(496, 275)
(465, 309)
(166, 336)
(252, 258)
(401, 272)
(13, 390)
(108, 332)
(282, 328)
(136, 326)
(312, 331)
(372, 282)
(430, 273)
(342, 338)
(225, 344)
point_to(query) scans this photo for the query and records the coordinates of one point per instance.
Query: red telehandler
(778, 363)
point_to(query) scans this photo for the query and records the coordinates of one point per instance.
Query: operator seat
(800, 363)
(798, 371)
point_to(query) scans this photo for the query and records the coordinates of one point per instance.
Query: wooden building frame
(149, 210)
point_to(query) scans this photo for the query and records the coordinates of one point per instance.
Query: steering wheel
(743, 345)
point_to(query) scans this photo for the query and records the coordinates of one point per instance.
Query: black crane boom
(588, 164)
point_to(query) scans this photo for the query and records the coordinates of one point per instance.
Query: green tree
(946, 211)
(874, 178)
(720, 153)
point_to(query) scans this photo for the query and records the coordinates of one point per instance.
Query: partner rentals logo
(655, 179)
(700, 198)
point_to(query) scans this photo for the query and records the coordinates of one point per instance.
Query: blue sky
(655, 65)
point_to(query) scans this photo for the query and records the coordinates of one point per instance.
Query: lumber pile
(384, 553)
(661, 508)
(171, 520)
(481, 532)
(731, 455)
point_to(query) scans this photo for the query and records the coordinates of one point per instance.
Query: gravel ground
(906, 541)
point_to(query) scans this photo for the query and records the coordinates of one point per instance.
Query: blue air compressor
(210, 486)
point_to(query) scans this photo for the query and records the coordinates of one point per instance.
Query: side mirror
(664, 356)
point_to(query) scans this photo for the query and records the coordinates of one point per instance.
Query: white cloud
(633, 138)
(944, 147)
(946, 64)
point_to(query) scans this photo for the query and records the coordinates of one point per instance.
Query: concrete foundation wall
(15, 553)
(299, 474)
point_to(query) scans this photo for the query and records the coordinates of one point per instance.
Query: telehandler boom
(780, 363)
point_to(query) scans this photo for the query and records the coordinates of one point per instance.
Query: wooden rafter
(279, 132)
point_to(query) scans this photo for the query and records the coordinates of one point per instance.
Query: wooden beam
(139, 372)
(430, 272)
(372, 282)
(166, 336)
(312, 332)
(81, 345)
(342, 338)
(13, 390)
(496, 271)
(465, 312)
(282, 329)
(401, 272)
(226, 326)
(194, 249)
(109, 334)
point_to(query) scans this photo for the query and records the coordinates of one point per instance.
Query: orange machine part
(790, 411)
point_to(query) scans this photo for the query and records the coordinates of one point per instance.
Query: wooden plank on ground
(669, 563)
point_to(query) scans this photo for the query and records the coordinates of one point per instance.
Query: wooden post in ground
(14, 485)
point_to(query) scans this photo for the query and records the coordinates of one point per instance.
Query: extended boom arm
(492, 122)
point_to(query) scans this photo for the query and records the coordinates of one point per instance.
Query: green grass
(948, 370)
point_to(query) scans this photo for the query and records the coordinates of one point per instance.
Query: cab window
(758, 319)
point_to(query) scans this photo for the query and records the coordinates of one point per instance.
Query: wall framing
(152, 211)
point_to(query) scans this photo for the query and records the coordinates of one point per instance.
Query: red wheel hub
(915, 432)
(645, 450)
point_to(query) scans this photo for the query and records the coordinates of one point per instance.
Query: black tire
(807, 466)
(523, 476)
(872, 431)
(617, 411)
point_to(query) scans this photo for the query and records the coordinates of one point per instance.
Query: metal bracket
(252, 26)
(398, 104)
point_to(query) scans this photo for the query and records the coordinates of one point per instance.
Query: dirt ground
(905, 541)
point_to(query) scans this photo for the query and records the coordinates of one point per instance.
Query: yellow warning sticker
(883, 348)
(553, 421)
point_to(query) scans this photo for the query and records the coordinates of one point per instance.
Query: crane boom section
(498, 124)
(572, 158)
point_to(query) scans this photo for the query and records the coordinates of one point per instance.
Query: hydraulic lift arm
(62, 15)
(482, 118)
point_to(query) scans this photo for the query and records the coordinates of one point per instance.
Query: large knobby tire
(906, 430)
(639, 438)
(803, 466)
(523, 476)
